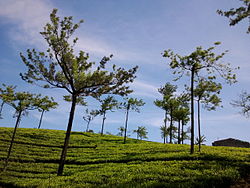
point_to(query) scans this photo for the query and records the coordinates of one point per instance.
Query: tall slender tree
(21, 102)
(164, 133)
(130, 104)
(46, 104)
(173, 105)
(89, 116)
(192, 64)
(181, 113)
(107, 104)
(206, 92)
(59, 67)
(167, 91)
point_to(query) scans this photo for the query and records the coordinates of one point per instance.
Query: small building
(230, 142)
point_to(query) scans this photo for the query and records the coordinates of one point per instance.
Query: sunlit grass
(104, 161)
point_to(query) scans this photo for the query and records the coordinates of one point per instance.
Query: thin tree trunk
(87, 129)
(67, 137)
(165, 125)
(192, 111)
(179, 131)
(182, 132)
(1, 109)
(103, 119)
(171, 126)
(126, 124)
(199, 125)
(40, 122)
(12, 139)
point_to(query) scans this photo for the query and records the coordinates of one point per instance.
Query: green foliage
(121, 131)
(113, 164)
(243, 102)
(236, 15)
(206, 91)
(200, 59)
(60, 68)
(6, 95)
(107, 104)
(79, 100)
(24, 101)
(89, 116)
(46, 103)
(193, 64)
(141, 132)
(200, 140)
(132, 104)
(167, 91)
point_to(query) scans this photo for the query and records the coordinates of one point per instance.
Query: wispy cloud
(28, 21)
(28, 18)
(144, 89)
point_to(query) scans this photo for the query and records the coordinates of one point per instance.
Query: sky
(136, 33)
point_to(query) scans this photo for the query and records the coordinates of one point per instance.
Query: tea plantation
(104, 161)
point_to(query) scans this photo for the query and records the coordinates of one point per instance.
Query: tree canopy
(59, 67)
(236, 15)
(192, 66)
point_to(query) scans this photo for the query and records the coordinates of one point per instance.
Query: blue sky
(136, 33)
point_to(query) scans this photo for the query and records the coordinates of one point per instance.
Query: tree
(167, 92)
(130, 104)
(22, 102)
(107, 104)
(191, 65)
(244, 103)
(181, 113)
(45, 105)
(184, 136)
(89, 116)
(141, 132)
(200, 140)
(205, 92)
(236, 15)
(173, 104)
(4, 96)
(59, 67)
(181, 116)
(121, 131)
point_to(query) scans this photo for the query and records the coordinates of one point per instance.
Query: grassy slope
(113, 164)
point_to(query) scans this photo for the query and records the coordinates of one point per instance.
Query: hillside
(104, 161)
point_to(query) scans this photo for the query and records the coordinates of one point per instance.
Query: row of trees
(202, 66)
(23, 102)
(177, 107)
(109, 104)
(59, 67)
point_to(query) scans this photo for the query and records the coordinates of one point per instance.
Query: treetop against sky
(136, 33)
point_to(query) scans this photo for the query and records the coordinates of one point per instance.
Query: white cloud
(144, 89)
(28, 16)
